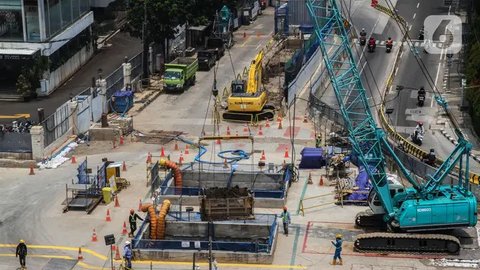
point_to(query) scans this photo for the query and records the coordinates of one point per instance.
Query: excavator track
(367, 219)
(407, 243)
(249, 117)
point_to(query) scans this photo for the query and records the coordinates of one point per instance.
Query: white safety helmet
(127, 243)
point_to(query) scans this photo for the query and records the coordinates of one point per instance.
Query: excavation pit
(268, 187)
(248, 241)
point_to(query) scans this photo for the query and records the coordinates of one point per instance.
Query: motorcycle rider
(421, 96)
(389, 43)
(363, 36)
(371, 43)
(420, 128)
(430, 158)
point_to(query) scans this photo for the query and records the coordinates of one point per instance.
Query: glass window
(75, 9)
(11, 23)
(84, 6)
(66, 12)
(55, 16)
(31, 18)
(47, 19)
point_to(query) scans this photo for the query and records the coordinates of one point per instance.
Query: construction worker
(127, 255)
(285, 219)
(132, 219)
(318, 141)
(338, 250)
(21, 253)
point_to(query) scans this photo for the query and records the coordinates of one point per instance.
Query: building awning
(17, 54)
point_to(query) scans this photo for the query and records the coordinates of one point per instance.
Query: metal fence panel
(57, 124)
(114, 81)
(305, 76)
(136, 63)
(96, 106)
(83, 114)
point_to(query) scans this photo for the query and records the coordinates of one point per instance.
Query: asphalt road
(191, 110)
(107, 58)
(406, 112)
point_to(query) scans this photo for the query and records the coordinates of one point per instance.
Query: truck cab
(217, 45)
(206, 59)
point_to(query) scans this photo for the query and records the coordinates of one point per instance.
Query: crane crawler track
(249, 117)
(407, 243)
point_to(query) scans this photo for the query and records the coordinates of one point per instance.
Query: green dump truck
(179, 74)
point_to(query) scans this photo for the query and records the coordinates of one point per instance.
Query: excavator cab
(239, 86)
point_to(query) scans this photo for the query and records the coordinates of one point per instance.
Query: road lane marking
(414, 15)
(418, 4)
(409, 28)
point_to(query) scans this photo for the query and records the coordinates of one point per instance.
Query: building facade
(59, 32)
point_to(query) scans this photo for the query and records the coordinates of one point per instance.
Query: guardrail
(406, 145)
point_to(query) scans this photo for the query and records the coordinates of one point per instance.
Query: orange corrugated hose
(177, 173)
(157, 223)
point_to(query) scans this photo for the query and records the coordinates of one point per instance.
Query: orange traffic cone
(140, 205)
(108, 218)
(117, 254)
(124, 167)
(260, 132)
(186, 149)
(228, 130)
(245, 128)
(280, 124)
(122, 140)
(263, 155)
(113, 247)
(162, 152)
(286, 153)
(80, 256)
(321, 181)
(94, 236)
(31, 170)
(149, 158)
(267, 124)
(117, 204)
(74, 160)
(218, 141)
(124, 230)
(180, 160)
(279, 118)
(176, 146)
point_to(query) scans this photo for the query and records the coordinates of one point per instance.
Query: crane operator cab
(395, 186)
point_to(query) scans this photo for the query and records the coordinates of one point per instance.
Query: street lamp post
(145, 45)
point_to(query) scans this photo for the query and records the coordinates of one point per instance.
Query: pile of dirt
(234, 192)
(157, 136)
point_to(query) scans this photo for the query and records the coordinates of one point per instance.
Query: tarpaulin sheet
(312, 158)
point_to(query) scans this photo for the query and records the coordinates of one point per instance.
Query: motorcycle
(421, 100)
(417, 138)
(389, 48)
(371, 48)
(363, 40)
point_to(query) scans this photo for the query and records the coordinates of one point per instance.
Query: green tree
(24, 87)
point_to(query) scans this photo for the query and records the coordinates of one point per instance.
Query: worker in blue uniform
(338, 250)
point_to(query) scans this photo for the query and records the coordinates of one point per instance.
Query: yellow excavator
(248, 100)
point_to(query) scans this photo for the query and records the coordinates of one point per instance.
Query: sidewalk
(109, 58)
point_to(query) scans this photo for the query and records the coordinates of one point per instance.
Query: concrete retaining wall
(186, 256)
(258, 181)
(223, 231)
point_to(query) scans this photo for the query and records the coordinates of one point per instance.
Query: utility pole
(145, 45)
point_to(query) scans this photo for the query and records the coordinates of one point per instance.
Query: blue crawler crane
(416, 217)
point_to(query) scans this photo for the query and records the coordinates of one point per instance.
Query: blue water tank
(122, 101)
